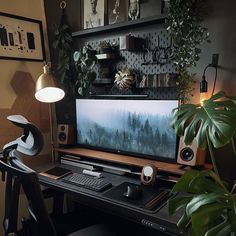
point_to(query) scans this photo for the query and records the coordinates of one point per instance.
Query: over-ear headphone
(148, 175)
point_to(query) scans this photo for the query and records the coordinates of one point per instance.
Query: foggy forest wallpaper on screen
(134, 126)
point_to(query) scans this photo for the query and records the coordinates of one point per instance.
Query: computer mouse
(133, 192)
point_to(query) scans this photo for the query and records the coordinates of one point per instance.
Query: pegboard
(134, 61)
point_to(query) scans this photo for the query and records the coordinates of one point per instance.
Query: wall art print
(94, 13)
(117, 11)
(21, 38)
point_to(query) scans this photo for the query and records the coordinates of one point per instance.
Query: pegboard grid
(133, 60)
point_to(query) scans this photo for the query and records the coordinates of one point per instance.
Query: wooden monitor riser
(124, 159)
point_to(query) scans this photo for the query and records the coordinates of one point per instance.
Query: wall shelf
(103, 81)
(106, 56)
(121, 26)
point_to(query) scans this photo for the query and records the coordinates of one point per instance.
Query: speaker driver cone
(62, 136)
(186, 154)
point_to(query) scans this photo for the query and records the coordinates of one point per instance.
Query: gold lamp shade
(46, 89)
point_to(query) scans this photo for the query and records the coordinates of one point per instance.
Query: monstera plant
(207, 202)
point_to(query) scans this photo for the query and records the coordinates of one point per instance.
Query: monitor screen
(136, 127)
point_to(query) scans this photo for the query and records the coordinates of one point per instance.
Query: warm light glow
(46, 89)
(49, 94)
(203, 97)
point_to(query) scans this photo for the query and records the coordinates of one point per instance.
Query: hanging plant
(185, 27)
(74, 68)
(85, 60)
(62, 44)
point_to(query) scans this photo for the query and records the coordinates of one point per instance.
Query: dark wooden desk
(160, 219)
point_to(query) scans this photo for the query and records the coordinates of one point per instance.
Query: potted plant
(105, 47)
(85, 61)
(209, 207)
(124, 79)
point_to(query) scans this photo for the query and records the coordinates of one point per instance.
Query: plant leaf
(183, 222)
(206, 215)
(220, 229)
(176, 203)
(197, 182)
(217, 117)
(80, 91)
(204, 199)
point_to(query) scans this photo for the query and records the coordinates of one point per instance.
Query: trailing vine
(185, 27)
(85, 60)
(65, 64)
(74, 68)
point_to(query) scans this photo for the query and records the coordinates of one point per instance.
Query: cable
(214, 85)
(203, 84)
(204, 72)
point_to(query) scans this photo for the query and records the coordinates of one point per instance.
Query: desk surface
(160, 219)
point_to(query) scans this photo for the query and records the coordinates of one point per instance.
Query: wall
(220, 22)
(17, 89)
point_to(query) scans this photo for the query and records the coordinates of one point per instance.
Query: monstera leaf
(208, 207)
(216, 118)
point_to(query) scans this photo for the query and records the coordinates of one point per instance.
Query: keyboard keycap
(87, 181)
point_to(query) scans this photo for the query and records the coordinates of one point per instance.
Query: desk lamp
(48, 92)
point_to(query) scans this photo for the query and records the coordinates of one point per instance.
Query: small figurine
(143, 82)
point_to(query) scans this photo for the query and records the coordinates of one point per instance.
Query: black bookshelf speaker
(65, 134)
(190, 155)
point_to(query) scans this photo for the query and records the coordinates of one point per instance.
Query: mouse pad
(151, 197)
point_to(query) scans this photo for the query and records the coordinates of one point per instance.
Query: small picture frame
(93, 13)
(117, 11)
(21, 38)
(134, 10)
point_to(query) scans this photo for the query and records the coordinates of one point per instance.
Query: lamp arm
(51, 131)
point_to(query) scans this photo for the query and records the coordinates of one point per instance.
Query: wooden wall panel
(26, 105)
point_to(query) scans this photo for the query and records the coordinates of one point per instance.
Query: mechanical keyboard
(86, 181)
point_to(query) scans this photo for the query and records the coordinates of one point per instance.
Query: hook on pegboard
(63, 4)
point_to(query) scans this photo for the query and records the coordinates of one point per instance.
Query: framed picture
(94, 13)
(134, 9)
(21, 38)
(117, 11)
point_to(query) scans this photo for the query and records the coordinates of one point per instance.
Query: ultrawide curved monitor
(136, 127)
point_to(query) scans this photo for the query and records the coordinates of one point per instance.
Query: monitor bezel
(122, 152)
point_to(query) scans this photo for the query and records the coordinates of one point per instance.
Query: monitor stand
(113, 168)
